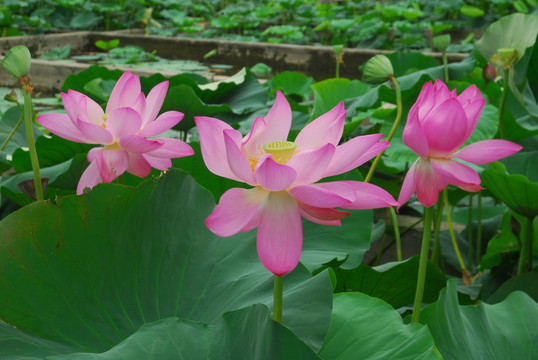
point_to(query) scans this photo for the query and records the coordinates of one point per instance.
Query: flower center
(281, 150)
(113, 146)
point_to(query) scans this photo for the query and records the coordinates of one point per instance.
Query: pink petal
(212, 144)
(154, 102)
(71, 106)
(139, 104)
(272, 175)
(139, 145)
(112, 163)
(274, 126)
(318, 196)
(158, 163)
(487, 151)
(369, 196)
(311, 165)
(236, 208)
(171, 148)
(408, 187)
(455, 173)
(327, 128)
(280, 233)
(124, 93)
(95, 133)
(278, 119)
(427, 184)
(89, 178)
(445, 128)
(138, 165)
(164, 122)
(473, 110)
(61, 125)
(413, 135)
(348, 156)
(322, 216)
(122, 122)
(237, 161)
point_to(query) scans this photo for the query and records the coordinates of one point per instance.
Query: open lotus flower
(123, 128)
(437, 125)
(283, 176)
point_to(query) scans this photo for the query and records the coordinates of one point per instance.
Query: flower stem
(470, 237)
(392, 130)
(13, 131)
(526, 248)
(28, 117)
(277, 299)
(423, 262)
(502, 131)
(436, 230)
(452, 235)
(479, 229)
(445, 65)
(396, 233)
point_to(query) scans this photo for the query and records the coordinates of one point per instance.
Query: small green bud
(338, 50)
(17, 62)
(11, 97)
(377, 70)
(441, 42)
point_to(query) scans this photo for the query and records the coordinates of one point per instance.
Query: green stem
(392, 130)
(479, 229)
(277, 299)
(28, 117)
(13, 131)
(470, 237)
(525, 256)
(445, 65)
(451, 230)
(436, 230)
(396, 233)
(337, 73)
(423, 262)
(502, 131)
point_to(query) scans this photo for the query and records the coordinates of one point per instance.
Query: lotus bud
(441, 42)
(377, 70)
(489, 73)
(17, 61)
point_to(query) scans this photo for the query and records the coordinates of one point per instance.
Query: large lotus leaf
(242, 334)
(367, 328)
(183, 98)
(89, 270)
(517, 31)
(328, 93)
(7, 124)
(291, 83)
(516, 191)
(50, 150)
(80, 80)
(14, 344)
(394, 283)
(525, 282)
(408, 62)
(507, 330)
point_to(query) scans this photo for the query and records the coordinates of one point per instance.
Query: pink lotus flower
(283, 176)
(123, 128)
(437, 125)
